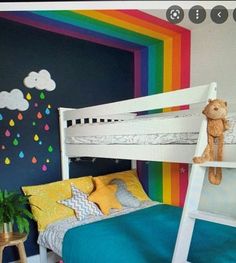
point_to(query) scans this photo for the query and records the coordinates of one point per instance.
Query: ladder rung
(219, 164)
(211, 217)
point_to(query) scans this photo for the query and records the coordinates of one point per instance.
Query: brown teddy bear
(215, 111)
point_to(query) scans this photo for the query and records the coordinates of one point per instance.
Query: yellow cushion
(105, 196)
(43, 199)
(131, 180)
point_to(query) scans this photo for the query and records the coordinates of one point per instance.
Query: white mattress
(52, 237)
(158, 138)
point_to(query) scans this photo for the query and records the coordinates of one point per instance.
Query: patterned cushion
(124, 196)
(79, 202)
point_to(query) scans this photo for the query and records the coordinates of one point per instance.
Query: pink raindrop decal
(46, 127)
(44, 167)
(7, 133)
(36, 105)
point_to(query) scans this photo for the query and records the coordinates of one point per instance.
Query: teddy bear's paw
(198, 160)
(214, 179)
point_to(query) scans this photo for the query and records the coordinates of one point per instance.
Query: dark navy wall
(85, 74)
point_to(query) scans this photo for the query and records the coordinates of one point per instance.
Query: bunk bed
(125, 130)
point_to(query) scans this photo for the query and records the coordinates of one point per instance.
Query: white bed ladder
(191, 211)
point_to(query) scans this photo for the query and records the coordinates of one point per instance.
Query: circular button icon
(234, 14)
(175, 14)
(219, 14)
(197, 14)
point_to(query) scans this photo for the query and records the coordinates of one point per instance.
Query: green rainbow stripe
(161, 60)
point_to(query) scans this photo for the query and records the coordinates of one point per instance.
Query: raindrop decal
(47, 111)
(34, 160)
(11, 123)
(46, 127)
(40, 143)
(36, 105)
(44, 168)
(50, 149)
(39, 115)
(18, 135)
(47, 160)
(20, 116)
(42, 96)
(15, 142)
(28, 96)
(36, 137)
(3, 147)
(21, 154)
(7, 161)
(1, 117)
(34, 123)
(7, 133)
(49, 106)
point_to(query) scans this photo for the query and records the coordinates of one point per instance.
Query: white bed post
(193, 196)
(43, 254)
(133, 164)
(64, 158)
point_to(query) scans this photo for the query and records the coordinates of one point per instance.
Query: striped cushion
(83, 208)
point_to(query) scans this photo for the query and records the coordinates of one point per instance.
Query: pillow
(105, 196)
(124, 196)
(43, 199)
(131, 180)
(79, 202)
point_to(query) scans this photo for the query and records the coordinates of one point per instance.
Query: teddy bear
(215, 112)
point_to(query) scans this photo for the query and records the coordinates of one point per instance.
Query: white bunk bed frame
(118, 112)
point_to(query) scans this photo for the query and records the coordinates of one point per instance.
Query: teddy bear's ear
(210, 100)
(226, 103)
(204, 112)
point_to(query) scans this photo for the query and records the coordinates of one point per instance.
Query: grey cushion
(124, 196)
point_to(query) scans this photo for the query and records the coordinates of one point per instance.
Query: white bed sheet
(52, 237)
(158, 138)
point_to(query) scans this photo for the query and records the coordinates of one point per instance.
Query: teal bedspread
(147, 236)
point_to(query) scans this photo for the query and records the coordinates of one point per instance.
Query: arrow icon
(219, 14)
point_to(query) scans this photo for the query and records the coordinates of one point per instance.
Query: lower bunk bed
(152, 232)
(145, 235)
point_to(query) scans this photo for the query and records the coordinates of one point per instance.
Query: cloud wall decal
(13, 100)
(40, 80)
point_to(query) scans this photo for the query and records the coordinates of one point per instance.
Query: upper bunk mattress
(152, 139)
